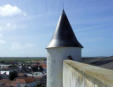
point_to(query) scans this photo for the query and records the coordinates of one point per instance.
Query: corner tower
(62, 45)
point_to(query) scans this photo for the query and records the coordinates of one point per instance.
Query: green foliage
(13, 75)
(20, 59)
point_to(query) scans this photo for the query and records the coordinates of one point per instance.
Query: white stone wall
(73, 77)
(55, 57)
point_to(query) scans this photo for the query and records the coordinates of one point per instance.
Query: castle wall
(77, 74)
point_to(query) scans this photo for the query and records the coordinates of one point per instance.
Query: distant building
(4, 66)
(20, 82)
(4, 72)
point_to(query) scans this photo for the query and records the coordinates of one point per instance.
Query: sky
(26, 26)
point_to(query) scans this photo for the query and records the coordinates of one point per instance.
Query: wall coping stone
(101, 74)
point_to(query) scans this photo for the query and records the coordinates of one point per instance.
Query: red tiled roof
(25, 80)
(5, 81)
(21, 80)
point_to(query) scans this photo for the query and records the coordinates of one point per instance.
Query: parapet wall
(77, 74)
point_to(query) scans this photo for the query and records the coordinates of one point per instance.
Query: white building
(35, 74)
(63, 45)
(4, 72)
(2, 66)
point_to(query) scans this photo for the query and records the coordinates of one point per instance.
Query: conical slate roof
(64, 35)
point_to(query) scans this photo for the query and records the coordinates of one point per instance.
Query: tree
(13, 75)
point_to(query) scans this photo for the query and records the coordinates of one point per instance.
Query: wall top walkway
(101, 74)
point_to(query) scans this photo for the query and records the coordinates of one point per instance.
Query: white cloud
(9, 10)
(7, 26)
(2, 42)
(1, 35)
(20, 46)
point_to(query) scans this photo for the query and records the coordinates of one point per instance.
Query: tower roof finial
(64, 35)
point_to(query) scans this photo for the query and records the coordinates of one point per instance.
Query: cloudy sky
(26, 26)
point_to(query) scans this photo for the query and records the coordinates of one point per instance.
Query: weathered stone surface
(77, 74)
